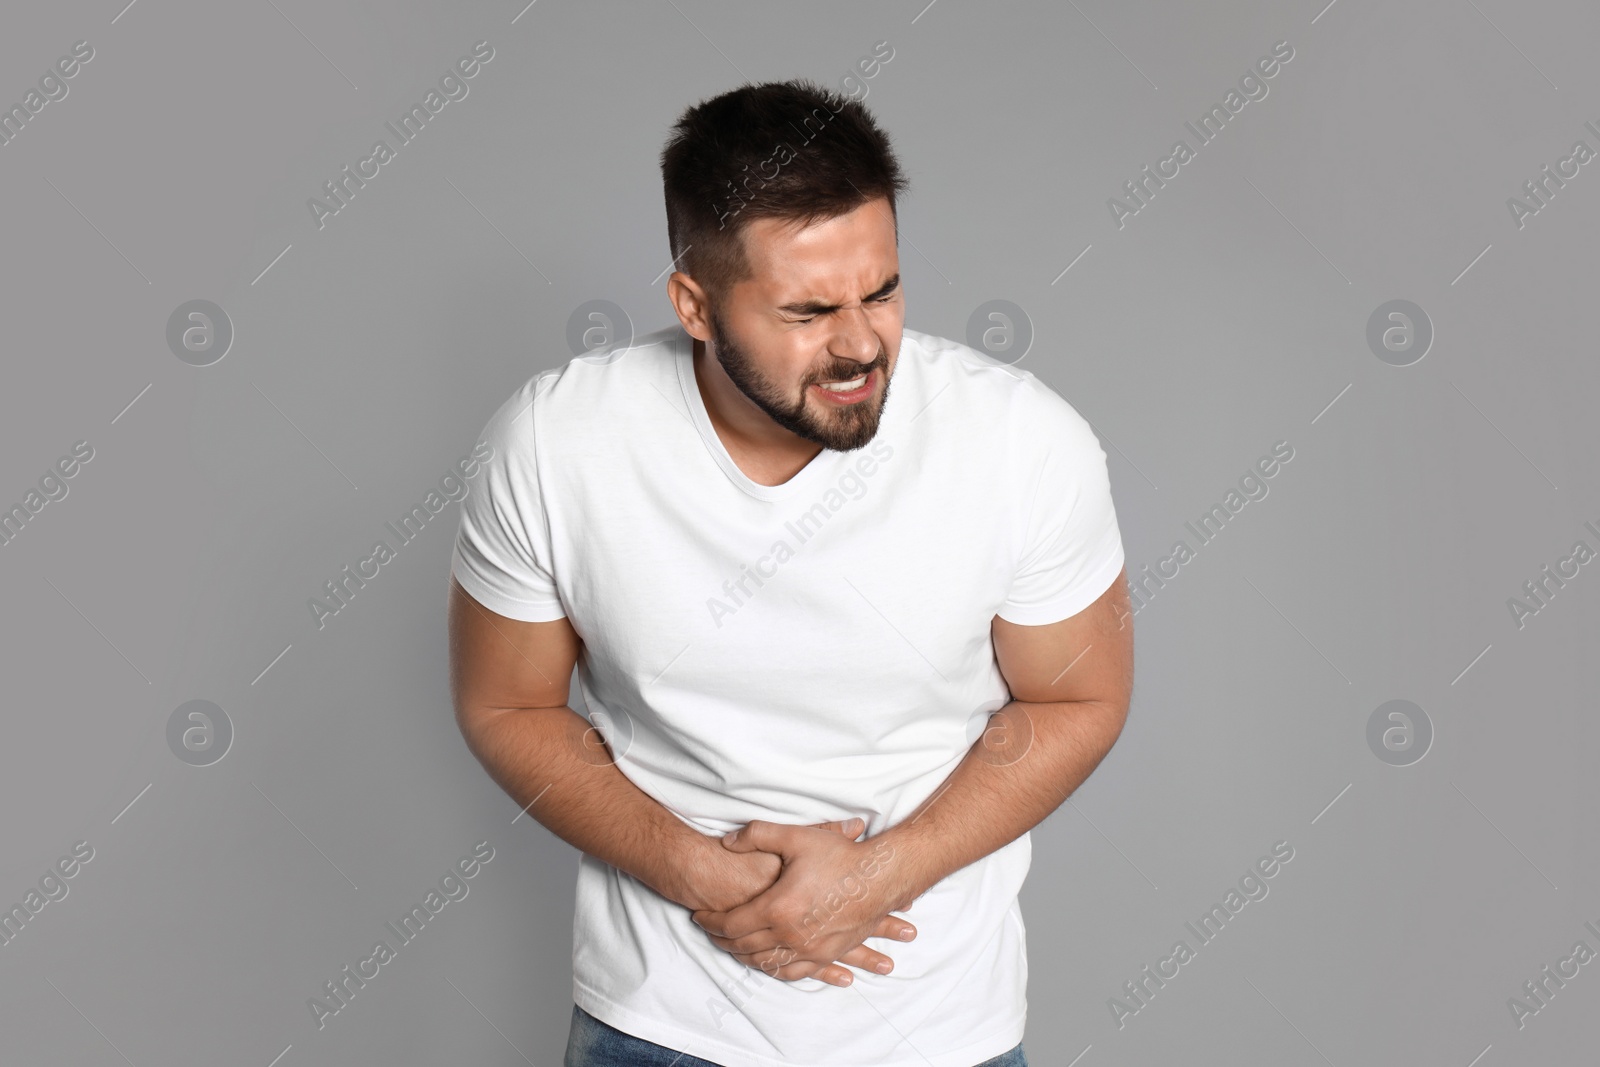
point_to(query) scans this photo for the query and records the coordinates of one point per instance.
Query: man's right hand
(509, 683)
(722, 880)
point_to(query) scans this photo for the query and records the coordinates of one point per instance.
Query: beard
(840, 428)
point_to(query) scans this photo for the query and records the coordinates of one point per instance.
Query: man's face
(823, 305)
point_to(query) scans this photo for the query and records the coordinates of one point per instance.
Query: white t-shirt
(798, 653)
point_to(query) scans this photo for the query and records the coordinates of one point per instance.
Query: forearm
(999, 791)
(537, 755)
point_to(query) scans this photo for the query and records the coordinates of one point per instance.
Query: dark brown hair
(789, 150)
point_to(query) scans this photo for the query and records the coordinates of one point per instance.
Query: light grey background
(1229, 314)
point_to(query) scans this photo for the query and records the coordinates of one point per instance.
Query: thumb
(757, 835)
(851, 827)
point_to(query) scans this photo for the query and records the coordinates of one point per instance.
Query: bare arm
(509, 681)
(1071, 682)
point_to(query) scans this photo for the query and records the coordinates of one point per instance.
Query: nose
(855, 339)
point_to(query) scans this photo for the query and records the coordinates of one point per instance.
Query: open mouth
(849, 392)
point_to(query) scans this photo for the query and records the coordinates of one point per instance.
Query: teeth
(845, 387)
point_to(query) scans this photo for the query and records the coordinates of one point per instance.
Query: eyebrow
(817, 307)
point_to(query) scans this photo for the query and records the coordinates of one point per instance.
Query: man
(799, 611)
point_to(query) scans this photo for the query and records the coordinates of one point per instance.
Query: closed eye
(879, 300)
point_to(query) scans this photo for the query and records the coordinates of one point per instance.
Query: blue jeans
(592, 1043)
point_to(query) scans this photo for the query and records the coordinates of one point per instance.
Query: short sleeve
(1073, 548)
(502, 551)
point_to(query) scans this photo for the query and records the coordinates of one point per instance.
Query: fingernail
(906, 935)
(847, 979)
(883, 967)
